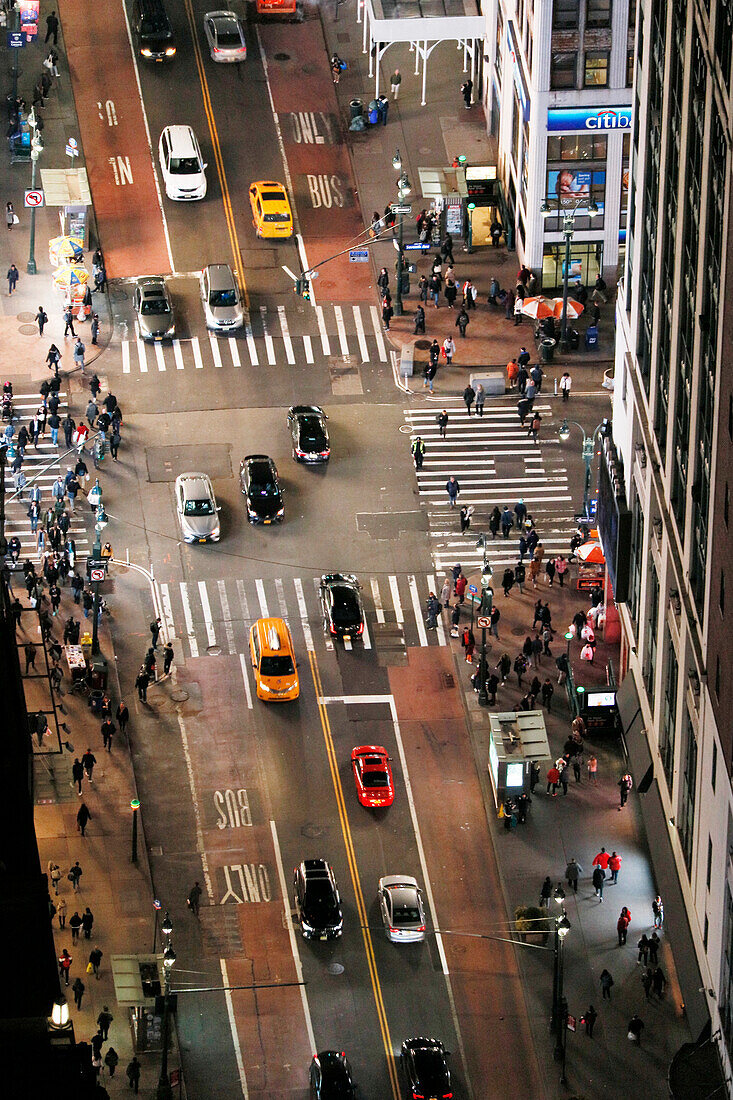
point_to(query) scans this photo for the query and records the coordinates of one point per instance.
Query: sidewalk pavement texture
(432, 136)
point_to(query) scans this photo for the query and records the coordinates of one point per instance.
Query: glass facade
(686, 822)
(650, 639)
(668, 728)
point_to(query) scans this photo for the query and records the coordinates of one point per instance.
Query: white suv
(183, 168)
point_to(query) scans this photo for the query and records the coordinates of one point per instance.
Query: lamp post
(157, 906)
(163, 1091)
(485, 607)
(36, 147)
(134, 806)
(404, 188)
(589, 444)
(589, 209)
(99, 526)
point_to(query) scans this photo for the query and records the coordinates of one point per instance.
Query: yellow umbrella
(65, 250)
(72, 278)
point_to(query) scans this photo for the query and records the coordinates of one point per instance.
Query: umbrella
(63, 250)
(72, 277)
(537, 308)
(574, 308)
(592, 553)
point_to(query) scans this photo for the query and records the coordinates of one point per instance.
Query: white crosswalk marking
(280, 590)
(377, 326)
(228, 628)
(286, 334)
(165, 599)
(196, 348)
(376, 596)
(325, 342)
(159, 357)
(394, 589)
(125, 357)
(326, 634)
(242, 596)
(215, 353)
(341, 329)
(308, 349)
(141, 357)
(192, 643)
(360, 335)
(299, 595)
(178, 354)
(206, 607)
(234, 350)
(417, 610)
(245, 678)
(252, 349)
(265, 614)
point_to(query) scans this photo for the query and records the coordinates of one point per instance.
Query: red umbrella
(537, 308)
(574, 308)
(591, 552)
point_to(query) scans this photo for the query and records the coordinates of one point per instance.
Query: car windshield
(184, 166)
(154, 306)
(406, 914)
(277, 217)
(155, 26)
(198, 508)
(336, 1084)
(280, 665)
(430, 1066)
(223, 298)
(376, 779)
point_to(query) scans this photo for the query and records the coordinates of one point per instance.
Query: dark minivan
(156, 41)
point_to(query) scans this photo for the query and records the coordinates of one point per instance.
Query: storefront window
(595, 73)
(577, 147)
(586, 262)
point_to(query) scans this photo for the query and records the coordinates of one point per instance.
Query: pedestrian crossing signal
(303, 288)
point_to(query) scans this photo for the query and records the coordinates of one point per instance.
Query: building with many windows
(557, 89)
(673, 426)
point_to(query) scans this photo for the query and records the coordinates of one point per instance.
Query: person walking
(433, 611)
(624, 785)
(469, 395)
(104, 1020)
(417, 448)
(507, 522)
(83, 817)
(643, 946)
(553, 780)
(108, 729)
(69, 322)
(52, 28)
(601, 859)
(155, 632)
(547, 692)
(462, 321)
(589, 1019)
(449, 350)
(75, 926)
(419, 320)
(141, 683)
(12, 277)
(565, 384)
(87, 923)
(534, 428)
(77, 774)
(41, 319)
(394, 82)
(95, 958)
(387, 312)
(658, 911)
(468, 643)
(659, 982)
(95, 328)
(606, 982)
(614, 866)
(460, 587)
(465, 517)
(635, 1028)
(593, 770)
(622, 926)
(194, 899)
(65, 961)
(75, 874)
(78, 989)
(654, 945)
(545, 893)
(134, 1067)
(599, 876)
(10, 215)
(442, 419)
(452, 488)
(480, 399)
(572, 873)
(647, 980)
(467, 92)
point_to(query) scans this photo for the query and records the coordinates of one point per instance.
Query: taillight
(421, 928)
(360, 628)
(324, 454)
(332, 628)
(417, 1095)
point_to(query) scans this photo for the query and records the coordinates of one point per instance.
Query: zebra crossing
(215, 616)
(41, 466)
(495, 463)
(345, 331)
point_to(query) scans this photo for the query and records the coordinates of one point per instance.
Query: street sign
(16, 39)
(472, 588)
(400, 208)
(96, 574)
(71, 150)
(359, 256)
(417, 246)
(483, 621)
(72, 142)
(34, 198)
(97, 563)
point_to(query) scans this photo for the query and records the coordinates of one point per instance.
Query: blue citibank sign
(566, 119)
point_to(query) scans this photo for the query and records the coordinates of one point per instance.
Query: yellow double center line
(354, 872)
(226, 198)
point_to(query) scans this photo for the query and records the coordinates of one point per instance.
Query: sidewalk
(432, 136)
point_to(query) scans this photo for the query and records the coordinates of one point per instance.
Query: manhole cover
(448, 680)
(335, 968)
(282, 57)
(25, 318)
(28, 330)
(518, 631)
(423, 344)
(405, 429)
(312, 831)
(179, 696)
(213, 650)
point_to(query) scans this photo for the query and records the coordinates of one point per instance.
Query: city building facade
(673, 426)
(557, 91)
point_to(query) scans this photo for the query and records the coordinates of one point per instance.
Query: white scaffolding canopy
(424, 24)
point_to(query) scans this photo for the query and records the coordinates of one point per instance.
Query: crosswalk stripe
(234, 351)
(252, 349)
(165, 600)
(142, 359)
(325, 342)
(341, 329)
(377, 598)
(421, 632)
(441, 632)
(228, 628)
(365, 637)
(196, 348)
(243, 600)
(377, 326)
(396, 599)
(192, 643)
(159, 357)
(300, 597)
(360, 334)
(328, 640)
(280, 591)
(245, 678)
(178, 354)
(125, 357)
(262, 598)
(215, 353)
(286, 334)
(206, 608)
(308, 348)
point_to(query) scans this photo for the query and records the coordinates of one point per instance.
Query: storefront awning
(696, 1073)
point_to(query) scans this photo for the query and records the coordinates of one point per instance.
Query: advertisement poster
(575, 271)
(29, 14)
(570, 186)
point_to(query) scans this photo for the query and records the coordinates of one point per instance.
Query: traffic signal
(303, 288)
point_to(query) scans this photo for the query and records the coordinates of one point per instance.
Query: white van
(183, 168)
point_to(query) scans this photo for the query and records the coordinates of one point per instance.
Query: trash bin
(547, 350)
(356, 107)
(96, 698)
(573, 339)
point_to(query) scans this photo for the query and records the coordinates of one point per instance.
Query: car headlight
(264, 687)
(305, 926)
(146, 53)
(170, 51)
(170, 330)
(281, 512)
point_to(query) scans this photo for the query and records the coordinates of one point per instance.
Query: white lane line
(125, 357)
(216, 353)
(308, 348)
(366, 637)
(289, 354)
(341, 328)
(280, 590)
(415, 597)
(292, 936)
(196, 346)
(303, 610)
(262, 598)
(196, 810)
(160, 359)
(206, 607)
(234, 351)
(228, 628)
(377, 326)
(252, 349)
(360, 334)
(192, 643)
(142, 359)
(233, 1028)
(377, 597)
(325, 342)
(441, 632)
(245, 678)
(396, 599)
(178, 354)
(243, 600)
(165, 603)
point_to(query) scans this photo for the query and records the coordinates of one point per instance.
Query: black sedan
(261, 488)
(341, 603)
(424, 1062)
(309, 433)
(317, 900)
(330, 1076)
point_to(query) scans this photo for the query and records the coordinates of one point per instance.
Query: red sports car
(373, 775)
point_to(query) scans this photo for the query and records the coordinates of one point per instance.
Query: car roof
(182, 140)
(151, 283)
(221, 277)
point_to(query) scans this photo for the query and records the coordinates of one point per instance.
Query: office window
(730, 417)
(595, 73)
(598, 13)
(637, 559)
(565, 15)
(686, 824)
(710, 863)
(724, 38)
(630, 69)
(650, 641)
(563, 70)
(717, 684)
(706, 932)
(714, 765)
(668, 731)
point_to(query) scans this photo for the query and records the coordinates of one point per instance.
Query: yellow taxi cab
(273, 660)
(271, 213)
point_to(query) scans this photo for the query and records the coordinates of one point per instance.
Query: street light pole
(568, 228)
(164, 1091)
(36, 147)
(403, 190)
(589, 443)
(134, 806)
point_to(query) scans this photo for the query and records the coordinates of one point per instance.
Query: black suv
(309, 433)
(330, 1076)
(317, 901)
(261, 488)
(425, 1062)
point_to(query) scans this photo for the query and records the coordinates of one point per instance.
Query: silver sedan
(403, 914)
(225, 35)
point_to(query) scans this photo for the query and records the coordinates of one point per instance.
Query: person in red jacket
(553, 778)
(65, 961)
(602, 859)
(461, 583)
(622, 925)
(614, 866)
